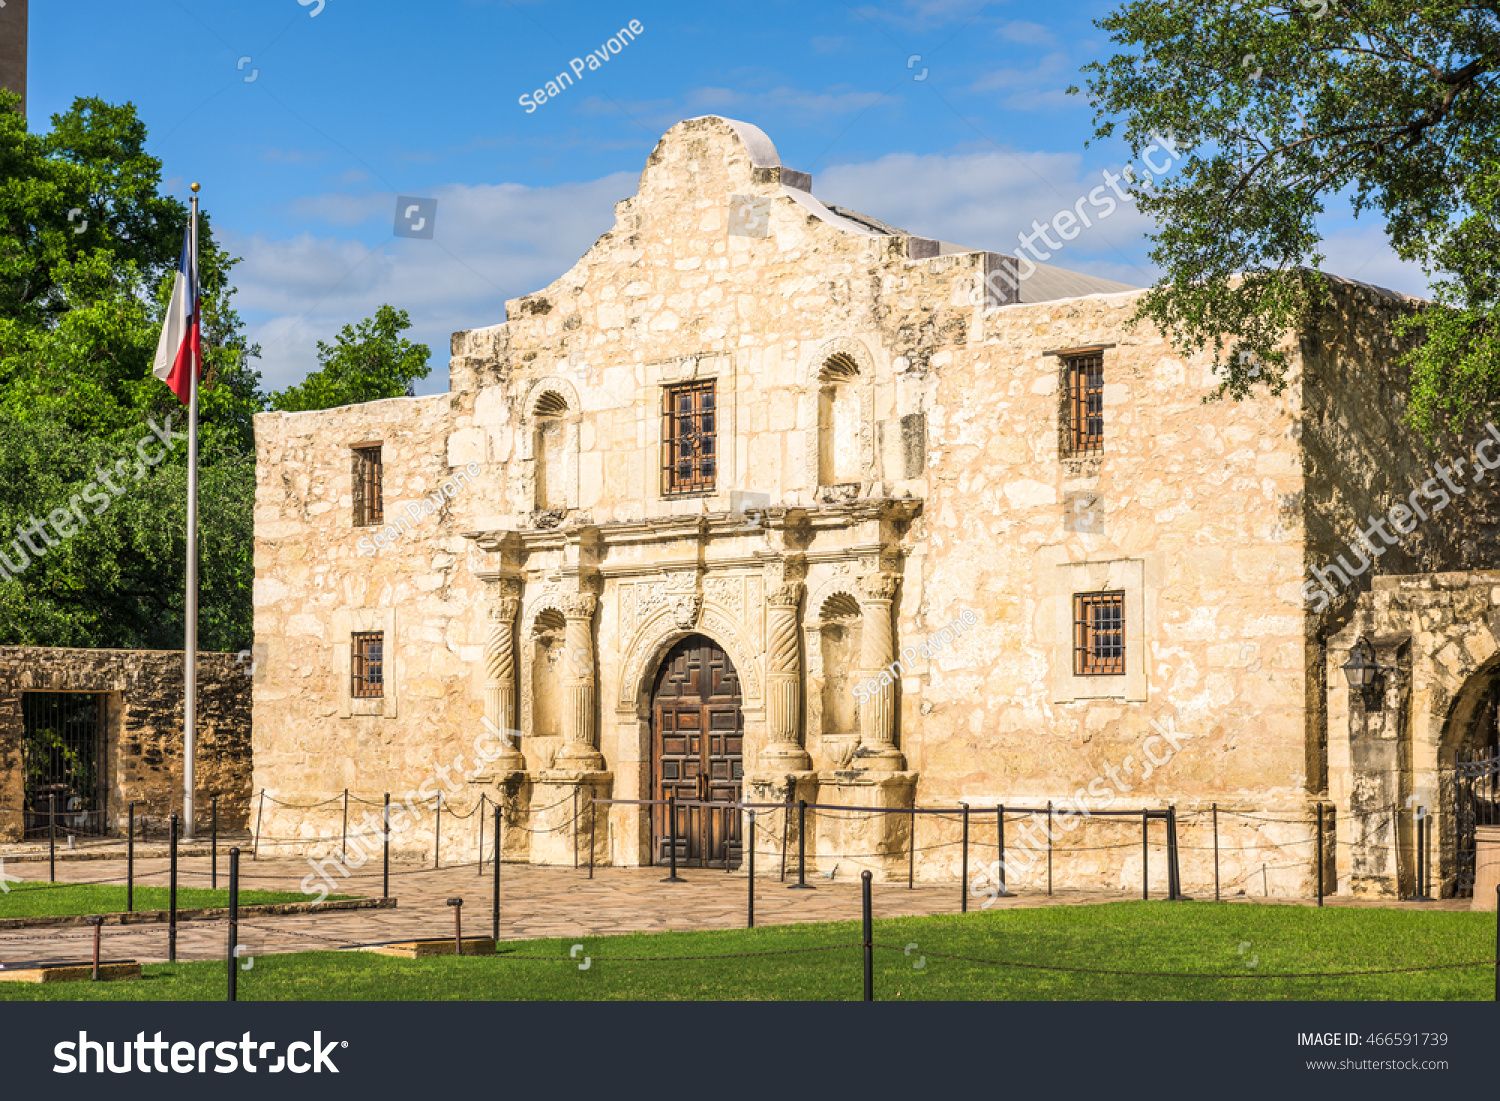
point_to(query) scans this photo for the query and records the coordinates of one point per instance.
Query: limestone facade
(891, 480)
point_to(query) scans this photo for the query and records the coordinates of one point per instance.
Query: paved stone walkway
(537, 902)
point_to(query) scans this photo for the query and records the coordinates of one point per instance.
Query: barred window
(367, 678)
(369, 479)
(1083, 375)
(690, 457)
(1098, 633)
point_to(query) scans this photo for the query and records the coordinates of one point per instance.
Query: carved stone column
(579, 685)
(784, 751)
(877, 715)
(500, 675)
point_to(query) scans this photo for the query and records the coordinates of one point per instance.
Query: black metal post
(786, 824)
(575, 827)
(1049, 848)
(437, 834)
(963, 875)
(1216, 852)
(496, 903)
(672, 876)
(458, 925)
(1320, 852)
(1416, 827)
(750, 880)
(1174, 882)
(259, 810)
(52, 837)
(801, 884)
(385, 830)
(1145, 854)
(868, 922)
(728, 832)
(98, 923)
(1416, 830)
(172, 895)
(344, 843)
(591, 840)
(1000, 844)
(130, 861)
(911, 852)
(234, 922)
(1427, 858)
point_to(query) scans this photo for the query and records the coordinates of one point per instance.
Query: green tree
(367, 361)
(87, 251)
(1286, 106)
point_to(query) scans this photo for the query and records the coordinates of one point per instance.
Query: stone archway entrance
(1472, 787)
(697, 754)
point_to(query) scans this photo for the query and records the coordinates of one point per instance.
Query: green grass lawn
(60, 900)
(822, 961)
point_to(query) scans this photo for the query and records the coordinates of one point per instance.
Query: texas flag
(179, 352)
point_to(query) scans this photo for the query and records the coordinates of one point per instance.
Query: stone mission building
(766, 499)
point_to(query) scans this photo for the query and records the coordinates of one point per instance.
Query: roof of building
(1043, 283)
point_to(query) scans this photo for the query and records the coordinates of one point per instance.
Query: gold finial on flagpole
(193, 187)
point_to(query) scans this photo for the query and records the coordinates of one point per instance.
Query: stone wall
(319, 577)
(1437, 637)
(888, 429)
(143, 729)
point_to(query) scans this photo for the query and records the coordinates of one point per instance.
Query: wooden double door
(698, 738)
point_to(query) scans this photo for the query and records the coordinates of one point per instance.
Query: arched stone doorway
(1470, 777)
(697, 754)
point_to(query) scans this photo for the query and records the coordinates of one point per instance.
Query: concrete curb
(160, 917)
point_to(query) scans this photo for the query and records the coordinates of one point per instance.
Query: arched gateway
(697, 753)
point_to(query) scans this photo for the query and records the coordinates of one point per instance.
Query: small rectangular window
(1098, 634)
(368, 673)
(1083, 376)
(369, 487)
(690, 457)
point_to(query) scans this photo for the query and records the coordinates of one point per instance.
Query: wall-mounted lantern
(1365, 675)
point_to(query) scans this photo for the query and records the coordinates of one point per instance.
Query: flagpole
(190, 643)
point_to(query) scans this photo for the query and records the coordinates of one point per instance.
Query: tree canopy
(367, 361)
(93, 459)
(1286, 107)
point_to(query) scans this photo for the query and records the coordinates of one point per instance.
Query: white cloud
(1039, 85)
(1025, 33)
(921, 15)
(491, 242)
(502, 240)
(1364, 253)
(987, 198)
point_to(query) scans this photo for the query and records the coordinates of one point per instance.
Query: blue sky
(305, 119)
